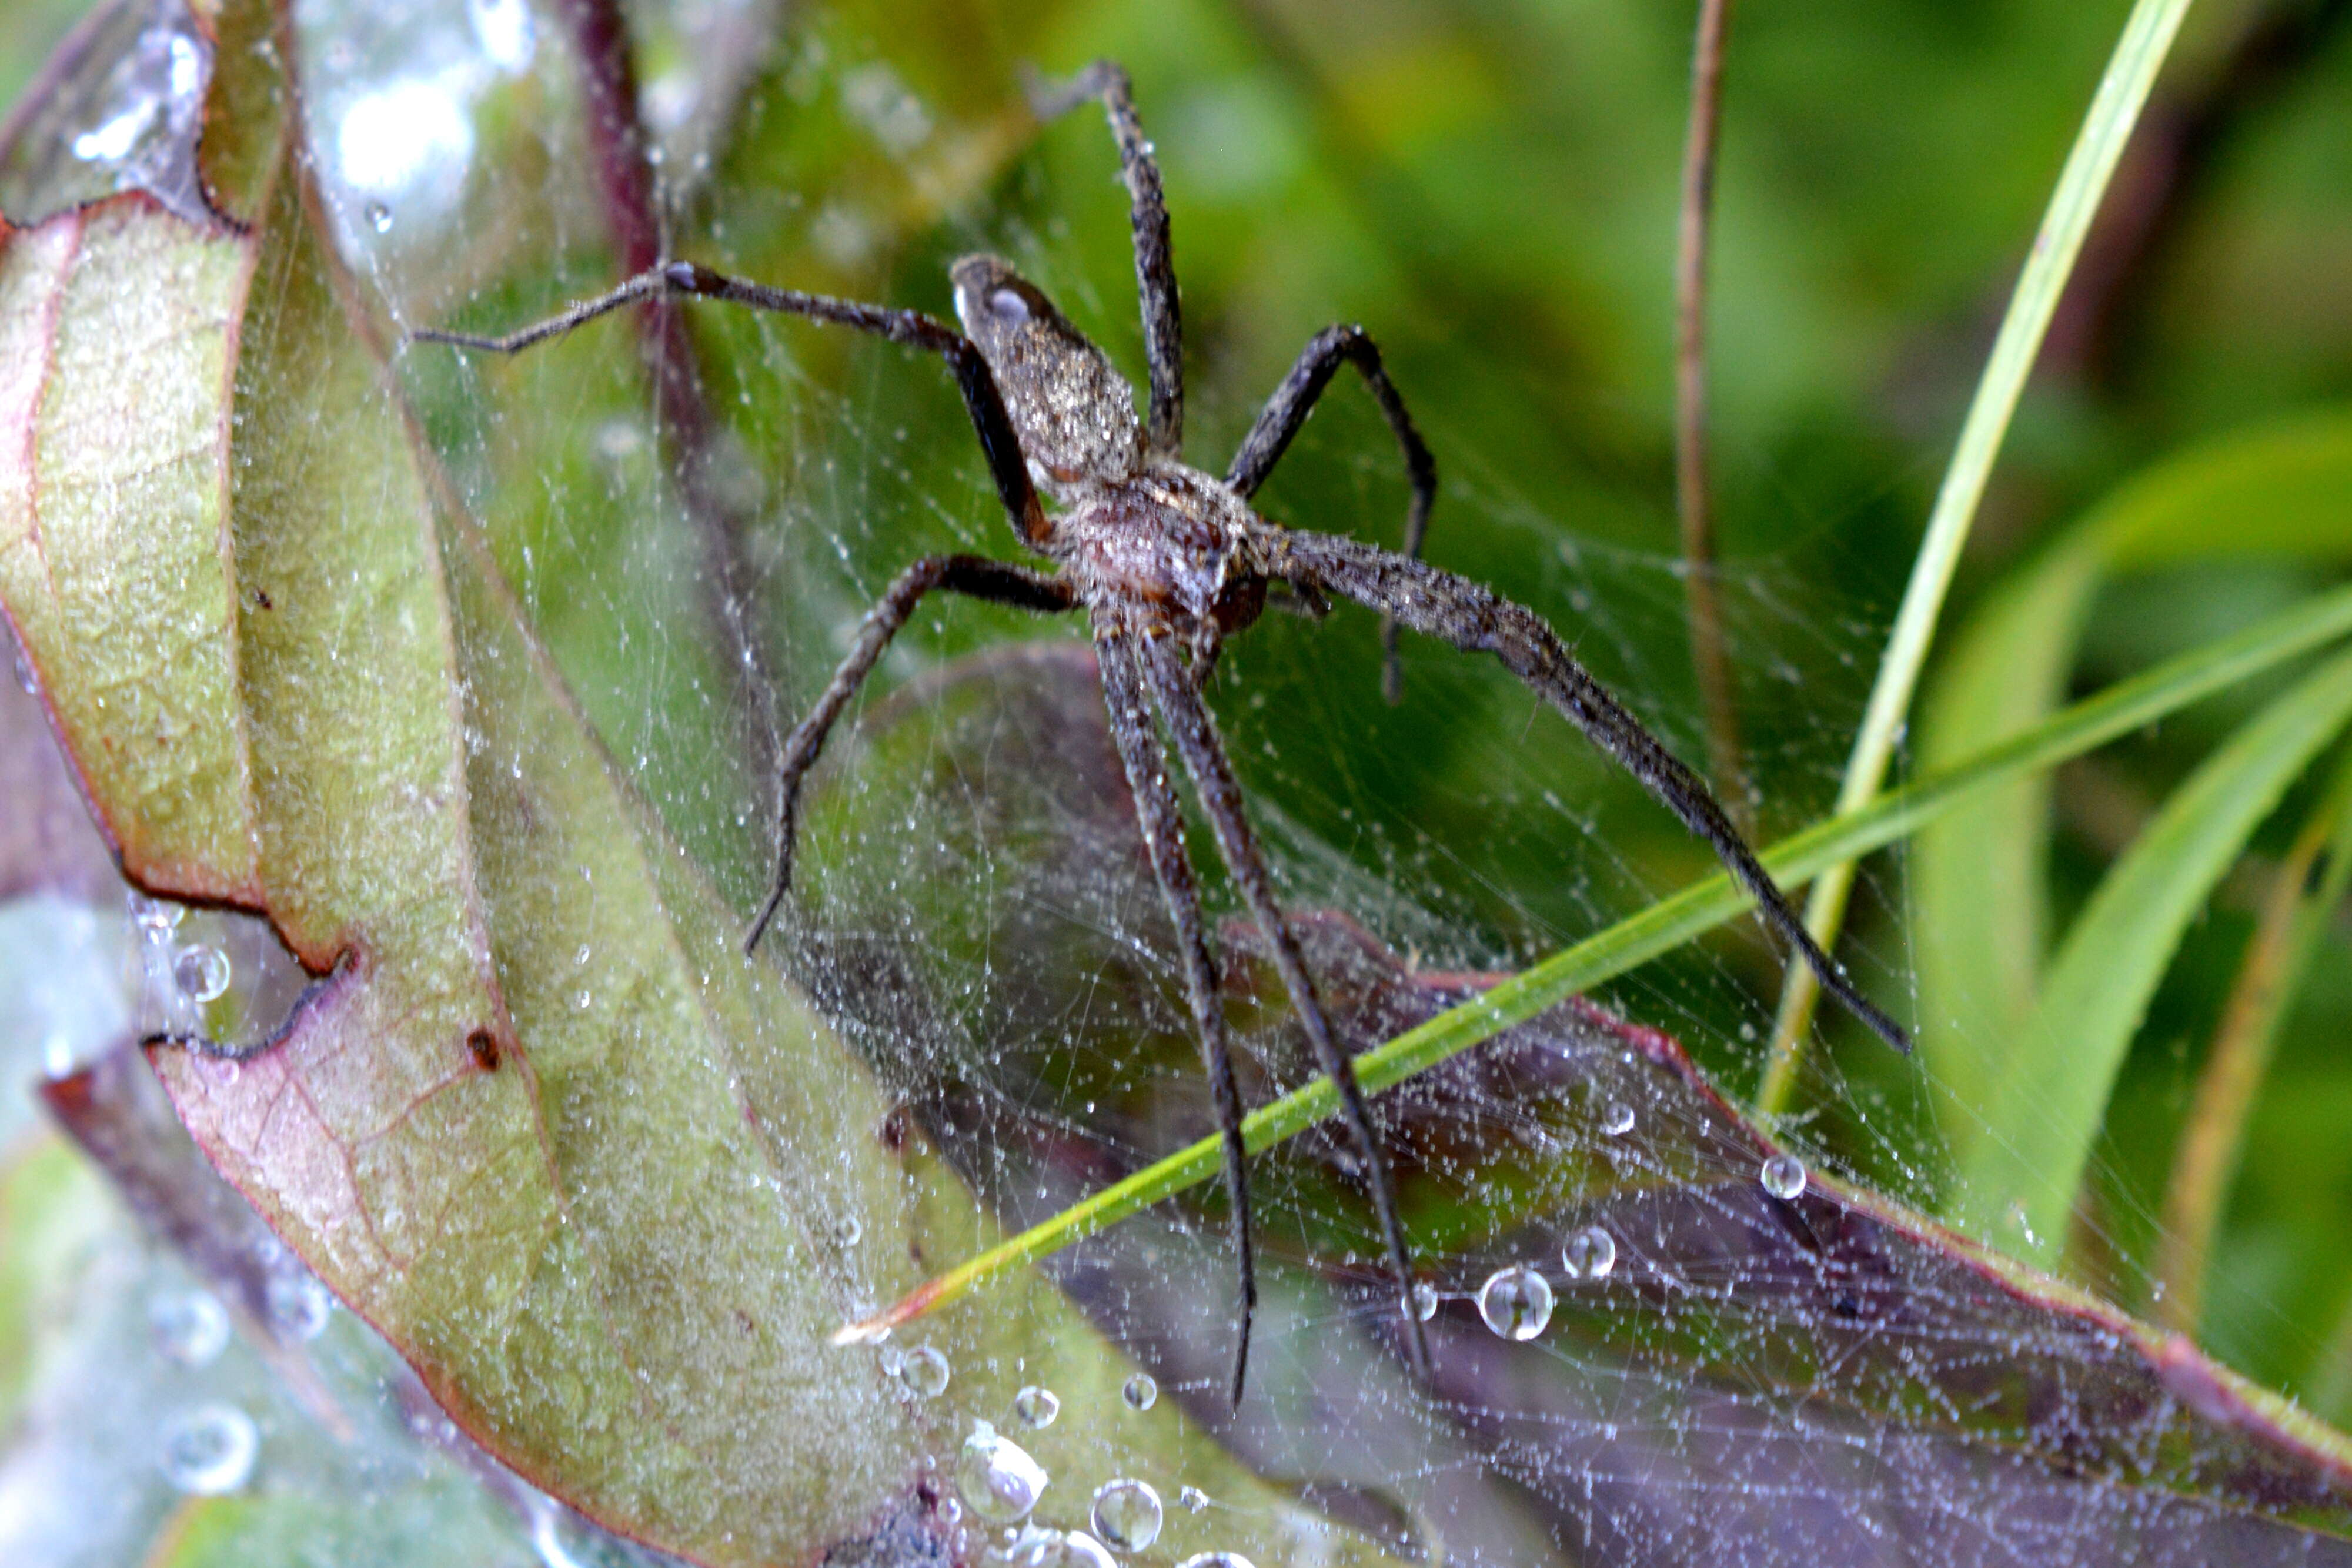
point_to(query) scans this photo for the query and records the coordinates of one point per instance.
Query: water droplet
(1142, 1390)
(1127, 1514)
(208, 1449)
(201, 972)
(1192, 1499)
(950, 1512)
(379, 217)
(1590, 1254)
(924, 1371)
(1424, 1300)
(191, 1327)
(299, 1306)
(1037, 1548)
(999, 1480)
(1784, 1176)
(1617, 1118)
(25, 676)
(155, 917)
(1036, 1406)
(1516, 1301)
(1217, 1559)
(850, 1231)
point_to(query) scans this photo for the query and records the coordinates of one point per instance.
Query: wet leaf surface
(1774, 1366)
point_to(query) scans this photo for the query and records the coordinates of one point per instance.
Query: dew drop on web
(1589, 1254)
(190, 1327)
(1784, 1176)
(1142, 1392)
(208, 1449)
(298, 1307)
(1127, 1514)
(1516, 1301)
(924, 1371)
(1036, 1407)
(999, 1479)
(201, 972)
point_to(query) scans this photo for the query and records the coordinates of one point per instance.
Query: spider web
(1757, 1377)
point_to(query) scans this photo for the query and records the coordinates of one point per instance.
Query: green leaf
(2045, 1111)
(1980, 877)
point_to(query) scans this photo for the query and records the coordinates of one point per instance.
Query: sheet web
(1661, 1334)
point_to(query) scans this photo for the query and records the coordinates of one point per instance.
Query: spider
(1167, 562)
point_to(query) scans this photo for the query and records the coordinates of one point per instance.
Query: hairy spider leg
(1155, 263)
(1204, 751)
(910, 329)
(1475, 619)
(975, 577)
(1142, 754)
(1286, 413)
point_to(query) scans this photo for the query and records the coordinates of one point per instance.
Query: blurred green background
(1489, 187)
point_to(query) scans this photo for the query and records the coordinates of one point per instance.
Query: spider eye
(1006, 305)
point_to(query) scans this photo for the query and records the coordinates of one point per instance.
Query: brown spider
(1167, 562)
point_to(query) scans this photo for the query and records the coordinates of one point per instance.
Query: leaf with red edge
(608, 1185)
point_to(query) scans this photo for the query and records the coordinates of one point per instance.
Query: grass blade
(2019, 1183)
(2147, 38)
(2304, 893)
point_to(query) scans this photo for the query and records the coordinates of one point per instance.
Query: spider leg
(1285, 412)
(1155, 264)
(1474, 618)
(1204, 757)
(976, 577)
(911, 329)
(1164, 836)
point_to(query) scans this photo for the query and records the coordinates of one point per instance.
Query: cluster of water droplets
(180, 978)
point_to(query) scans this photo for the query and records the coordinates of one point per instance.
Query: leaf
(1755, 1379)
(1980, 877)
(607, 1185)
(2047, 1109)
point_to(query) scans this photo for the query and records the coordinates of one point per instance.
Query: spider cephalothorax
(1167, 562)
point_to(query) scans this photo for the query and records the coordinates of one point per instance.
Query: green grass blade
(2147, 38)
(2305, 891)
(2123, 707)
(2279, 491)
(2017, 1186)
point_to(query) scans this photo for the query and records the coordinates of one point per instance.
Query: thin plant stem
(623, 156)
(2304, 893)
(1709, 661)
(2147, 39)
(2120, 709)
